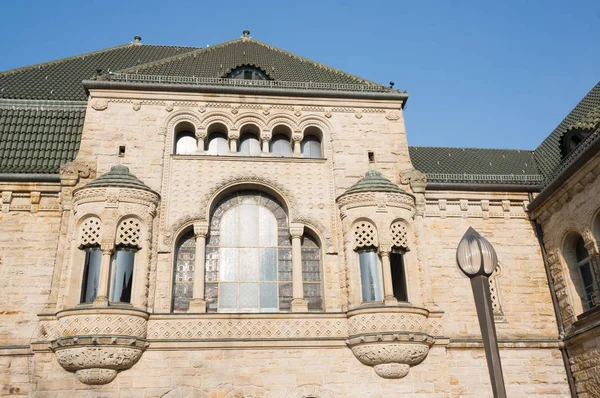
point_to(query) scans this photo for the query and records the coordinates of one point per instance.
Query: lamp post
(477, 259)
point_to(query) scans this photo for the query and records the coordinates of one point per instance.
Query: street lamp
(477, 259)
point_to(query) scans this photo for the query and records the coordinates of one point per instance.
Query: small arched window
(249, 145)
(584, 273)
(183, 278)
(280, 145)
(185, 139)
(311, 272)
(186, 143)
(311, 147)
(89, 243)
(365, 243)
(127, 244)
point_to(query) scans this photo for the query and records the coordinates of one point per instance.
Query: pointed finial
(246, 33)
(137, 39)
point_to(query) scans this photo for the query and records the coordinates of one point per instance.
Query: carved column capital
(107, 247)
(296, 230)
(201, 229)
(385, 249)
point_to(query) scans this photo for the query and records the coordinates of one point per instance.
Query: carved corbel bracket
(70, 173)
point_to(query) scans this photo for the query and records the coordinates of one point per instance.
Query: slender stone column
(200, 137)
(102, 297)
(298, 302)
(388, 287)
(265, 137)
(297, 140)
(198, 303)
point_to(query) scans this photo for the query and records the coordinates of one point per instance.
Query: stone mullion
(299, 304)
(388, 286)
(102, 297)
(198, 302)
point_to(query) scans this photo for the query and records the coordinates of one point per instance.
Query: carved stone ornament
(358, 114)
(169, 107)
(137, 105)
(100, 104)
(76, 170)
(201, 108)
(327, 114)
(414, 178)
(391, 340)
(97, 360)
(392, 115)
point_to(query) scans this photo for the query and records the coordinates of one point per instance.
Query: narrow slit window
(91, 274)
(398, 275)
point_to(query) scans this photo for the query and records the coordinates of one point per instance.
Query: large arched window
(248, 255)
(584, 273)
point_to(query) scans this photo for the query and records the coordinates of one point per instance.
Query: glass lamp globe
(475, 255)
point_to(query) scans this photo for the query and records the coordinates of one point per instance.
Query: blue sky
(479, 73)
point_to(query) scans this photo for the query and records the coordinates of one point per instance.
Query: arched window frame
(399, 233)
(123, 270)
(312, 270)
(184, 268)
(281, 142)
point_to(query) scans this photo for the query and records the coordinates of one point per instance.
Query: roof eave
(244, 90)
(484, 187)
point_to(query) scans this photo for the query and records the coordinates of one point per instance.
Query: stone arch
(364, 233)
(400, 233)
(134, 240)
(316, 121)
(217, 117)
(568, 249)
(250, 119)
(317, 229)
(595, 228)
(248, 392)
(240, 182)
(185, 392)
(310, 391)
(282, 120)
(81, 229)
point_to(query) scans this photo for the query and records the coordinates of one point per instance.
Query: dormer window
(572, 138)
(248, 73)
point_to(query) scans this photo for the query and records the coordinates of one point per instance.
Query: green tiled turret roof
(373, 181)
(119, 177)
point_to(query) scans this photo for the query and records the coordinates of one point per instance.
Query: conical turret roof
(118, 176)
(374, 181)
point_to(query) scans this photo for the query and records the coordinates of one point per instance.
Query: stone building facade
(239, 221)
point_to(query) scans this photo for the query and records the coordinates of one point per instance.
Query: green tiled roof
(475, 165)
(373, 181)
(217, 61)
(118, 176)
(548, 154)
(61, 80)
(38, 140)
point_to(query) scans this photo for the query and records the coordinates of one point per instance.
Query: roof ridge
(57, 61)
(176, 57)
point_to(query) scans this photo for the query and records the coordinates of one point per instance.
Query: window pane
(268, 228)
(249, 145)
(185, 259)
(249, 295)
(280, 146)
(123, 276)
(229, 264)
(218, 145)
(311, 147)
(268, 296)
(369, 276)
(91, 274)
(229, 227)
(228, 295)
(268, 264)
(581, 252)
(249, 264)
(186, 143)
(248, 224)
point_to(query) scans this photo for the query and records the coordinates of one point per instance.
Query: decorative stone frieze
(390, 339)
